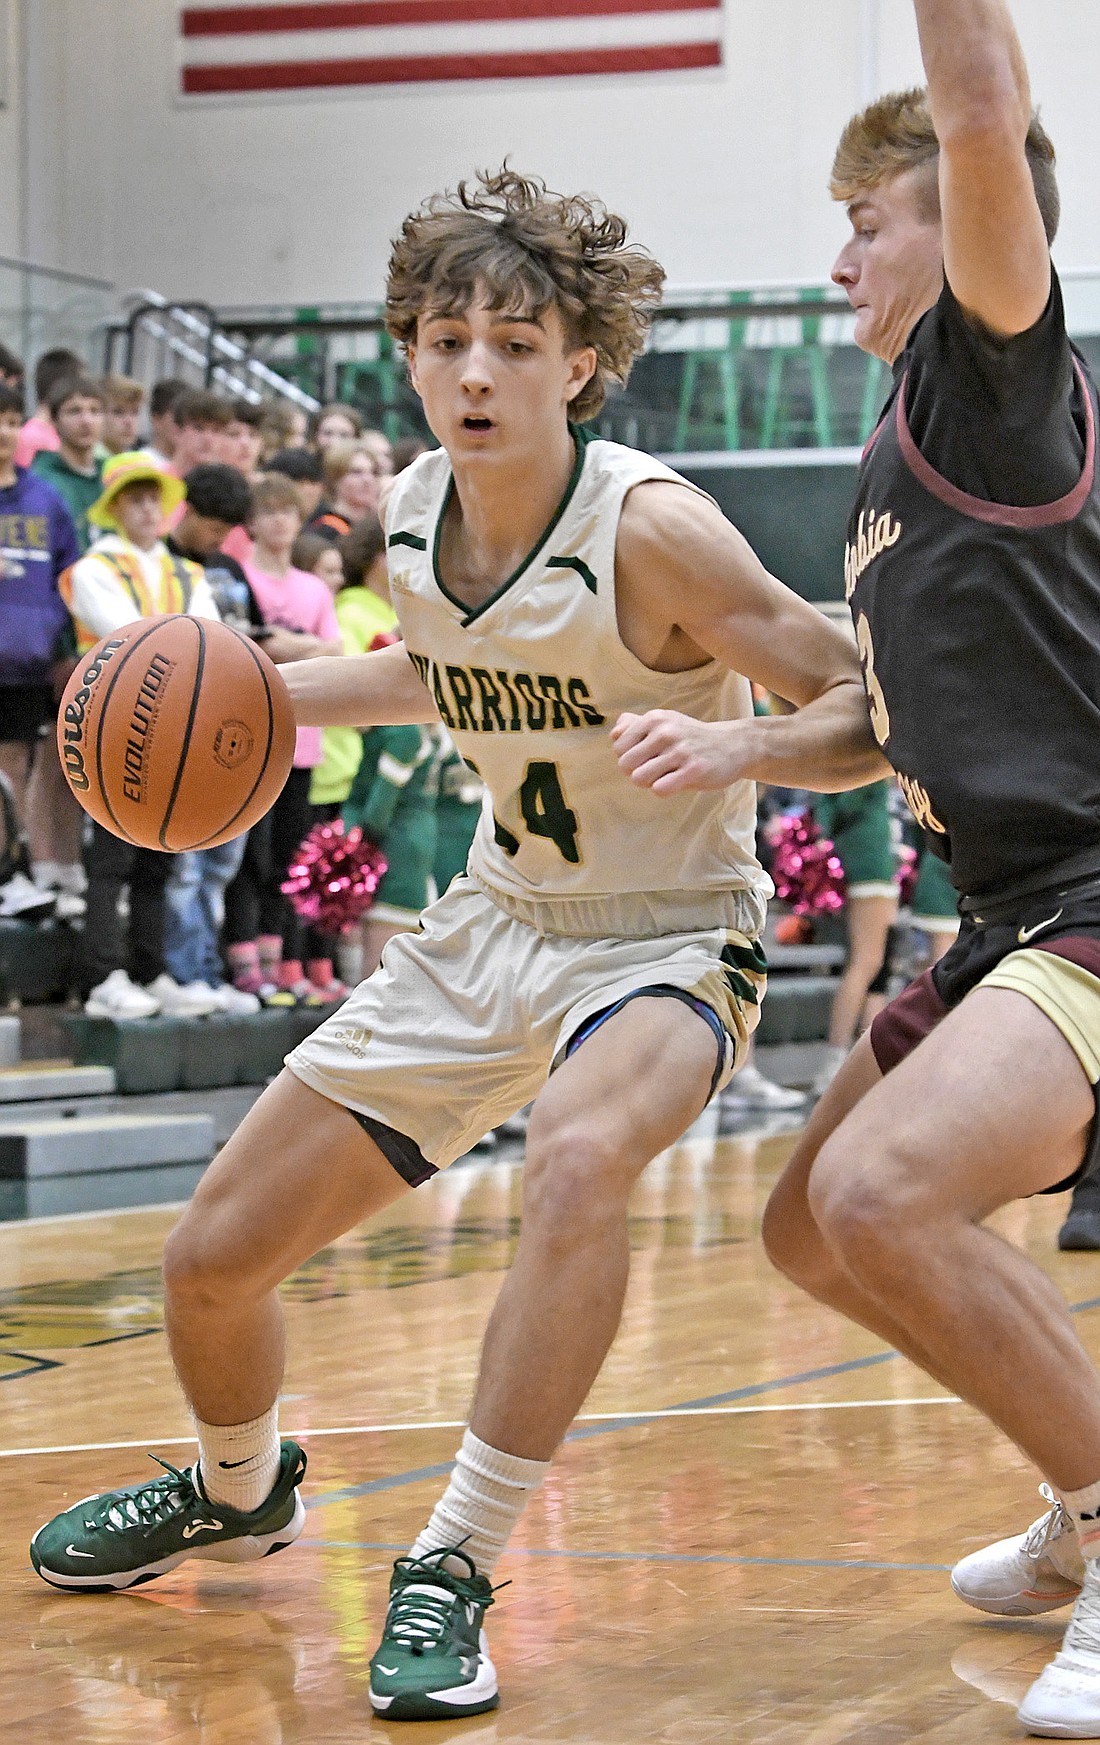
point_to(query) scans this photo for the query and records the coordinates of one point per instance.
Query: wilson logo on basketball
(142, 720)
(74, 716)
(233, 744)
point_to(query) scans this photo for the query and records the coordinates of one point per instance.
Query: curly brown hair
(530, 250)
(896, 134)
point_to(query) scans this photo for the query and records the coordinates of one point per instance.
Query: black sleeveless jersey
(977, 619)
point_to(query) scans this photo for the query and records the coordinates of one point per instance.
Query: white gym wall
(292, 199)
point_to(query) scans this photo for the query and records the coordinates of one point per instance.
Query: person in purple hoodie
(38, 542)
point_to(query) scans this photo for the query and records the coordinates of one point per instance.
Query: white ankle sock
(239, 1463)
(485, 1498)
(1084, 1506)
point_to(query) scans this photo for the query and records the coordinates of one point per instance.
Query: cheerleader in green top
(393, 801)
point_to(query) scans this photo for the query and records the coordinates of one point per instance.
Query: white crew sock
(487, 1495)
(239, 1463)
(1084, 1506)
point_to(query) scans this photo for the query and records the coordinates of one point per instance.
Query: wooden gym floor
(746, 1539)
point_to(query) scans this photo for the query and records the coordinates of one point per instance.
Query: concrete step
(806, 957)
(36, 961)
(42, 1145)
(11, 1042)
(168, 1054)
(796, 1009)
(38, 1080)
(54, 1196)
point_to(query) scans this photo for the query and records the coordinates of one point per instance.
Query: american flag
(288, 46)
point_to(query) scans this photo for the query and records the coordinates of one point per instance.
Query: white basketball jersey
(529, 685)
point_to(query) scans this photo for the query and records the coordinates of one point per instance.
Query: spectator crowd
(116, 506)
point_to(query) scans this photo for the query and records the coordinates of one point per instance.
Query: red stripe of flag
(427, 69)
(351, 14)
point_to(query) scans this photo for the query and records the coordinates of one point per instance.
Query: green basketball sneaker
(433, 1659)
(125, 1537)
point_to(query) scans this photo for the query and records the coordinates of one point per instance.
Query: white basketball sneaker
(1035, 1572)
(1064, 1701)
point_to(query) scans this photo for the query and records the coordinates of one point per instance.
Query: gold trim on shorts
(1068, 994)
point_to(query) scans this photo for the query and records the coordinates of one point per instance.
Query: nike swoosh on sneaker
(1026, 934)
(202, 1527)
(390, 1669)
(71, 1551)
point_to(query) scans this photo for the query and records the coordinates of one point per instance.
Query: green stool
(383, 376)
(721, 412)
(809, 354)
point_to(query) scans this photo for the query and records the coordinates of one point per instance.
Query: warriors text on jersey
(529, 685)
(973, 574)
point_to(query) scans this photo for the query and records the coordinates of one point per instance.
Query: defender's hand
(674, 754)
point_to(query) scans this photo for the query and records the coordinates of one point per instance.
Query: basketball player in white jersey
(585, 624)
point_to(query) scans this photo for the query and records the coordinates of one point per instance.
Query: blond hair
(337, 458)
(896, 134)
(121, 392)
(530, 250)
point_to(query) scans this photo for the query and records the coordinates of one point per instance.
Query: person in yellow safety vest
(129, 572)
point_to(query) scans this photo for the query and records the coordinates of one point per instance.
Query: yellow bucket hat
(134, 468)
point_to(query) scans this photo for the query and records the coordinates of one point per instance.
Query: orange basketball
(176, 733)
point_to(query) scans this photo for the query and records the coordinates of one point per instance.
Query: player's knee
(865, 1216)
(572, 1175)
(201, 1267)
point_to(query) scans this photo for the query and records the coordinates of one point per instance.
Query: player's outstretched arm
(995, 249)
(382, 689)
(686, 578)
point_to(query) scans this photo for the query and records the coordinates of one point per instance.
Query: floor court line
(613, 1420)
(651, 1557)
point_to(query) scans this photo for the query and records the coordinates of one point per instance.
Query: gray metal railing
(160, 338)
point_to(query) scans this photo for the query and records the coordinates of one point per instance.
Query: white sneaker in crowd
(68, 906)
(1035, 1572)
(21, 900)
(1064, 1701)
(233, 1001)
(749, 1089)
(195, 1000)
(119, 997)
(66, 884)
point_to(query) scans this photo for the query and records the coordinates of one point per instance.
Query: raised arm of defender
(688, 586)
(995, 249)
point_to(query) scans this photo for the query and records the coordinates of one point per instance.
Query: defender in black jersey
(973, 573)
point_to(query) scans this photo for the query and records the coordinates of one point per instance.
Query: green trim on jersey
(412, 539)
(581, 439)
(574, 563)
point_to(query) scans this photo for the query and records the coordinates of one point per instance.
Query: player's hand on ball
(675, 754)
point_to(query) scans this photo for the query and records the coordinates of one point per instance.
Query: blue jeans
(195, 898)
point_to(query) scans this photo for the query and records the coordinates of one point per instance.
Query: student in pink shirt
(265, 939)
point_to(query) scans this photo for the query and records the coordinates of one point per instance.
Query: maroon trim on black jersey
(874, 436)
(1067, 508)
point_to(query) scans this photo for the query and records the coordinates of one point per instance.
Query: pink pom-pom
(805, 866)
(333, 877)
